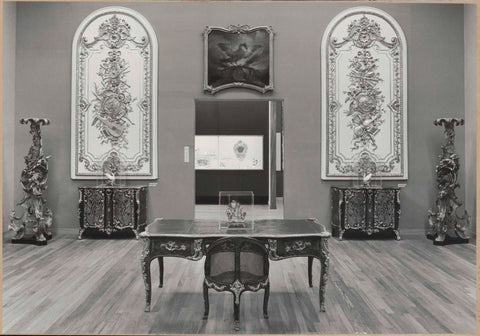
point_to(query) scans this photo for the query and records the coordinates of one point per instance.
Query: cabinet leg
(80, 233)
(136, 233)
(340, 234)
(397, 234)
(310, 264)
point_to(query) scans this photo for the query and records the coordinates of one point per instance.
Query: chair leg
(236, 313)
(310, 264)
(205, 301)
(265, 301)
(160, 267)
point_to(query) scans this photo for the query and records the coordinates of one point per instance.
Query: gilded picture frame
(238, 56)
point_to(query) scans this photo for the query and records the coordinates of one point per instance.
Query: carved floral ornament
(364, 96)
(114, 88)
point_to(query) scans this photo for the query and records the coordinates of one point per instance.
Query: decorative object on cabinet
(114, 94)
(446, 219)
(367, 210)
(108, 208)
(34, 183)
(237, 265)
(364, 96)
(238, 56)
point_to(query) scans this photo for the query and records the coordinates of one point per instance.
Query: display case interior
(235, 210)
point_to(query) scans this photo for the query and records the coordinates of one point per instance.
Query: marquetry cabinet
(367, 210)
(112, 208)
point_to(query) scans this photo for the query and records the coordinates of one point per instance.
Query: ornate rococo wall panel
(114, 95)
(364, 96)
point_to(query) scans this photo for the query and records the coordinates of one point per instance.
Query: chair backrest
(236, 258)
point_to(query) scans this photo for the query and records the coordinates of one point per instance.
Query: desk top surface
(266, 228)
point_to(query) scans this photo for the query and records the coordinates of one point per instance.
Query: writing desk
(189, 239)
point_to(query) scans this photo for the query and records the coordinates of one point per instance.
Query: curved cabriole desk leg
(205, 301)
(266, 295)
(145, 263)
(324, 259)
(160, 268)
(310, 264)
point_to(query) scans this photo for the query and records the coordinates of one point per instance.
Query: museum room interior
(316, 160)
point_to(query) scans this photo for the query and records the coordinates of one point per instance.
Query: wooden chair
(236, 264)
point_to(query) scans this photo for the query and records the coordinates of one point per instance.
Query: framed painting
(364, 97)
(114, 96)
(238, 56)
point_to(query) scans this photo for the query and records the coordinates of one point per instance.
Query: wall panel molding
(114, 96)
(364, 96)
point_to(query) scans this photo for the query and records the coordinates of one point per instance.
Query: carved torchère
(445, 218)
(34, 183)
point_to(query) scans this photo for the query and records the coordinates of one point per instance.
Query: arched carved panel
(114, 95)
(364, 96)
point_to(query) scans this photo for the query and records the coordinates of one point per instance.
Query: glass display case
(235, 210)
(112, 172)
(367, 181)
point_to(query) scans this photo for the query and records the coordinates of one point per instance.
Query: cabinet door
(123, 208)
(355, 209)
(94, 211)
(384, 209)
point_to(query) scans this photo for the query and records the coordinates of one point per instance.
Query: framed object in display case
(206, 152)
(364, 96)
(114, 95)
(229, 152)
(238, 56)
(243, 152)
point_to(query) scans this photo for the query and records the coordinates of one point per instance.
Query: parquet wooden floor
(94, 286)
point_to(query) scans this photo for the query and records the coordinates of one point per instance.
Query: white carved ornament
(114, 96)
(364, 96)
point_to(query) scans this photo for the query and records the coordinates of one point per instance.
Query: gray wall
(471, 111)
(8, 115)
(434, 34)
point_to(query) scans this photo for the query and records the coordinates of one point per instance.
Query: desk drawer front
(284, 248)
(178, 247)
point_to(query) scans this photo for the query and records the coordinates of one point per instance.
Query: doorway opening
(239, 148)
